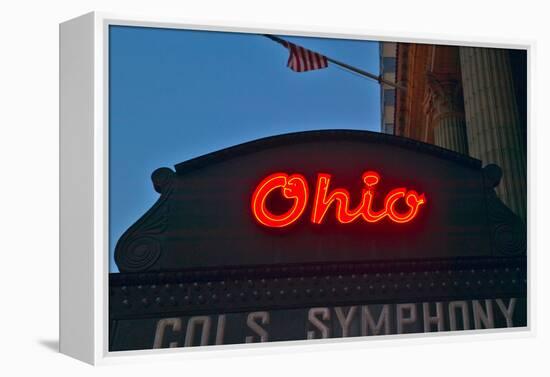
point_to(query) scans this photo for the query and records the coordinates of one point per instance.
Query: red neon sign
(295, 187)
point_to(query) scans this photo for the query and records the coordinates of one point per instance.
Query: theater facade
(318, 234)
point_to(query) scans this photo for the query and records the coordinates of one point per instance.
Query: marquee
(324, 219)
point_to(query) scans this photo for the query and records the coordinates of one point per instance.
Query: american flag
(302, 60)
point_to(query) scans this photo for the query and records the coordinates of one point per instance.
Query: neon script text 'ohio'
(295, 187)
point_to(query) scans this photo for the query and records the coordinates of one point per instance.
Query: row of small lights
(295, 292)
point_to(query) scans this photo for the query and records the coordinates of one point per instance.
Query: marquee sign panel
(306, 235)
(206, 216)
(318, 323)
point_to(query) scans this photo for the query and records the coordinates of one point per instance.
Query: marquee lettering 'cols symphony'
(327, 322)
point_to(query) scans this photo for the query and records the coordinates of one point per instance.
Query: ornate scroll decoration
(141, 246)
(508, 232)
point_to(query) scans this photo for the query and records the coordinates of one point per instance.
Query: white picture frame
(84, 190)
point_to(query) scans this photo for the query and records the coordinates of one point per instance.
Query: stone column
(492, 119)
(447, 112)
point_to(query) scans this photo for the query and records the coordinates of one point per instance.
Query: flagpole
(359, 71)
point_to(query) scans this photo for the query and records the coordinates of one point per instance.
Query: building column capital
(444, 95)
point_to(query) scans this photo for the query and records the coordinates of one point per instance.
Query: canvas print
(268, 188)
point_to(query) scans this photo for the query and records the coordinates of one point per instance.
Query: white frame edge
(83, 188)
(76, 172)
(84, 222)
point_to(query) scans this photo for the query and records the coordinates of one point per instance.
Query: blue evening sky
(178, 94)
